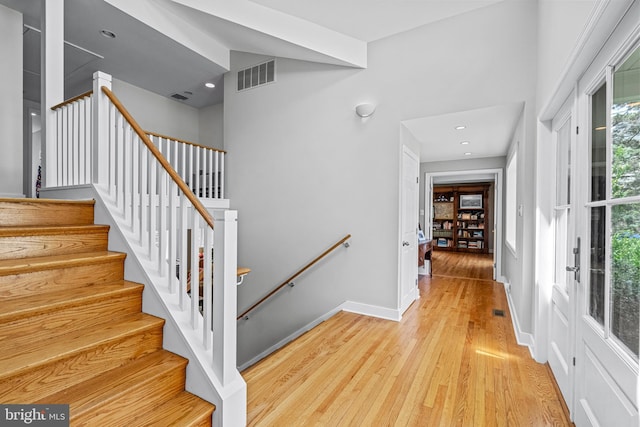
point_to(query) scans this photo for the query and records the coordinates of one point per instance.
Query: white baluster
(221, 195)
(144, 195)
(195, 268)
(184, 264)
(173, 236)
(162, 228)
(216, 178)
(82, 123)
(207, 292)
(153, 197)
(112, 150)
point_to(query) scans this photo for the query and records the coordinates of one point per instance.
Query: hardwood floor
(450, 361)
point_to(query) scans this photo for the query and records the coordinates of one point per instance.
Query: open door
(409, 229)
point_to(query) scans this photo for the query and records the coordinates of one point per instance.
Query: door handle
(576, 262)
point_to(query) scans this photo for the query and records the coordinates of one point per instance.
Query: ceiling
(487, 132)
(369, 20)
(175, 46)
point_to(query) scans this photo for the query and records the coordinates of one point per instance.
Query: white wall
(305, 170)
(159, 114)
(518, 267)
(11, 165)
(561, 23)
(211, 126)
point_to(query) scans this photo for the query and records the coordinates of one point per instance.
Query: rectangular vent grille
(257, 75)
(178, 96)
(497, 312)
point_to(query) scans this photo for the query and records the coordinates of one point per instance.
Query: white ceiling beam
(150, 14)
(284, 27)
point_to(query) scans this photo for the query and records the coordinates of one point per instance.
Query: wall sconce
(365, 110)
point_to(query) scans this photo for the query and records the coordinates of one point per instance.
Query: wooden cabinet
(460, 218)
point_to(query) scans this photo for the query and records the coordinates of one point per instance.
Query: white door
(409, 229)
(608, 332)
(562, 316)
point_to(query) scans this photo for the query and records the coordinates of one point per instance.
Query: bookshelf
(460, 215)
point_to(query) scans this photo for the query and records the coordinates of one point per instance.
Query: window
(562, 209)
(511, 208)
(614, 279)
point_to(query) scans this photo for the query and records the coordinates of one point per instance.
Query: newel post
(225, 296)
(100, 128)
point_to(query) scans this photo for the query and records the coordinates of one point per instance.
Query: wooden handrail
(185, 142)
(163, 161)
(72, 100)
(290, 279)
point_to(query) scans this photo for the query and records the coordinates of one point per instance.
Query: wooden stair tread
(184, 410)
(88, 202)
(22, 265)
(46, 212)
(30, 230)
(114, 383)
(14, 360)
(13, 308)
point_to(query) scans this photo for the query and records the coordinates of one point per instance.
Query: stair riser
(144, 398)
(43, 245)
(41, 213)
(57, 374)
(58, 321)
(61, 278)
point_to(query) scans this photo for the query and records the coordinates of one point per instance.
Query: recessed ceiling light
(460, 127)
(467, 153)
(210, 85)
(464, 143)
(188, 92)
(108, 34)
(34, 114)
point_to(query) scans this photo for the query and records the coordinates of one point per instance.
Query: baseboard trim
(371, 310)
(522, 338)
(12, 195)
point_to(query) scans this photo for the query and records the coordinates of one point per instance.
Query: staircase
(71, 328)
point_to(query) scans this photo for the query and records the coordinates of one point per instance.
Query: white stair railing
(201, 167)
(173, 236)
(72, 145)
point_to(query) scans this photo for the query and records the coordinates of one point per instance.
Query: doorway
(467, 177)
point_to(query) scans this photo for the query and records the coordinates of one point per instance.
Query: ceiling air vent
(179, 97)
(257, 75)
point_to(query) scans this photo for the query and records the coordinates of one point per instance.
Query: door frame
(497, 207)
(547, 254)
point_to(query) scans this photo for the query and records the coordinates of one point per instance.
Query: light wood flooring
(449, 362)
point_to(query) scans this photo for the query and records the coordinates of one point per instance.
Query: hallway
(450, 361)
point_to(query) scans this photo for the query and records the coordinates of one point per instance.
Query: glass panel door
(608, 329)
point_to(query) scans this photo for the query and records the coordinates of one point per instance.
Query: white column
(52, 80)
(11, 113)
(100, 128)
(225, 300)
